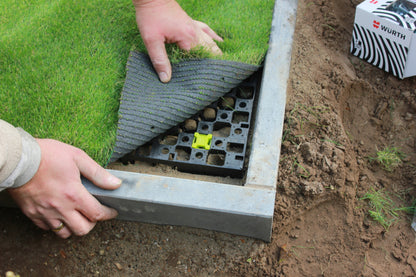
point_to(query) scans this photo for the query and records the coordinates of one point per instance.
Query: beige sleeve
(19, 156)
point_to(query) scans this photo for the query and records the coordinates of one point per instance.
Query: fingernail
(114, 180)
(163, 77)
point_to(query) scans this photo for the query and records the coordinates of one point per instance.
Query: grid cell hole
(235, 147)
(183, 153)
(216, 157)
(221, 130)
(169, 140)
(240, 117)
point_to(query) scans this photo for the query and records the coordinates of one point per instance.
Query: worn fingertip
(110, 214)
(114, 181)
(114, 213)
(164, 77)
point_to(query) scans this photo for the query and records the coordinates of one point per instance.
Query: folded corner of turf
(149, 107)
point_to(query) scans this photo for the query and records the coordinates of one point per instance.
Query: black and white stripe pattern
(408, 21)
(379, 51)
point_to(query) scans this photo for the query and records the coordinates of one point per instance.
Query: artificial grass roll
(62, 63)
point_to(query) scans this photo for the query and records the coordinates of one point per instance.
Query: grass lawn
(62, 63)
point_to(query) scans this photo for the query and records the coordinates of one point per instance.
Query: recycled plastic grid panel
(226, 122)
(244, 210)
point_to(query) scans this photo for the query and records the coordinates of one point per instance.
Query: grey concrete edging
(167, 200)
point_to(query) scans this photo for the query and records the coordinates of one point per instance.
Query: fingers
(54, 225)
(88, 205)
(159, 57)
(78, 224)
(95, 173)
(204, 36)
(41, 224)
(73, 223)
(204, 27)
(64, 232)
(207, 42)
(79, 221)
(90, 208)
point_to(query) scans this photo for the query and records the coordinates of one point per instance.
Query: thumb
(95, 173)
(159, 58)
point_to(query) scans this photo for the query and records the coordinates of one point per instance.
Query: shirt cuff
(28, 164)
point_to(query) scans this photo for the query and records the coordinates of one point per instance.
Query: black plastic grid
(229, 127)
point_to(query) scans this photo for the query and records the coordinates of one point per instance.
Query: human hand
(164, 21)
(56, 195)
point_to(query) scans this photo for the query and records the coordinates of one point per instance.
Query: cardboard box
(385, 35)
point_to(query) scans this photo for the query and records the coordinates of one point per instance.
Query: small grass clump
(383, 209)
(389, 158)
(302, 119)
(62, 63)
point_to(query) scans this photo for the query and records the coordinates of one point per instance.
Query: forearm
(19, 156)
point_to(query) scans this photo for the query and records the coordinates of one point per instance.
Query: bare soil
(339, 111)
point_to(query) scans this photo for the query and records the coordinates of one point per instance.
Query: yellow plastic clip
(202, 141)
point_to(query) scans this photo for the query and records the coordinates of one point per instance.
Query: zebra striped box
(385, 35)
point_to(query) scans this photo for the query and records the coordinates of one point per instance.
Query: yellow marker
(202, 141)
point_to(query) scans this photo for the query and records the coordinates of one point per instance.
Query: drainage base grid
(213, 142)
